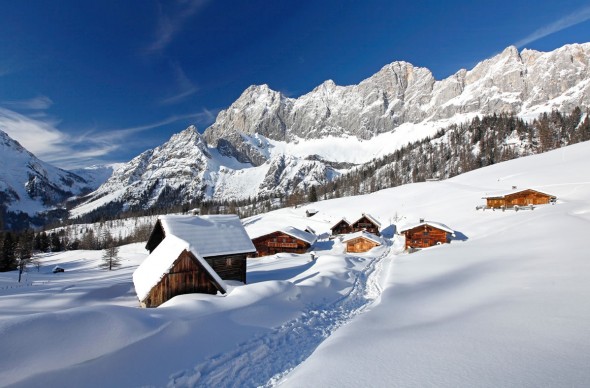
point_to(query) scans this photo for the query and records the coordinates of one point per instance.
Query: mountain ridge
(268, 144)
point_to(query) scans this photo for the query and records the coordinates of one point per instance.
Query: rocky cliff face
(269, 144)
(185, 169)
(529, 81)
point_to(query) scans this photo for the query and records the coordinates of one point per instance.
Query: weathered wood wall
(278, 242)
(360, 244)
(186, 277)
(341, 228)
(425, 236)
(364, 223)
(523, 198)
(229, 267)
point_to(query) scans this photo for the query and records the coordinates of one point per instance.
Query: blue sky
(84, 82)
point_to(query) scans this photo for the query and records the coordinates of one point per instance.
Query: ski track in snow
(265, 360)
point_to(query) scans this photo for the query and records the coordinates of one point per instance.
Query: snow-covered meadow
(507, 303)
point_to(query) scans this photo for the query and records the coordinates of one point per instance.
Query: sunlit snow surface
(507, 303)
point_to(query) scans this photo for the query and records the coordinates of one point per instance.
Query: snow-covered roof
(161, 260)
(504, 193)
(300, 234)
(437, 225)
(363, 234)
(212, 235)
(339, 221)
(370, 217)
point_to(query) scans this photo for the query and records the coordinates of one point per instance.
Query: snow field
(505, 304)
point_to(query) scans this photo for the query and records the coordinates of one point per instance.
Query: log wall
(229, 267)
(278, 242)
(360, 244)
(365, 223)
(523, 198)
(425, 236)
(186, 277)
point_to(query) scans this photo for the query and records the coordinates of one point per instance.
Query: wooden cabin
(290, 240)
(426, 234)
(361, 242)
(341, 227)
(367, 223)
(192, 254)
(515, 197)
(311, 212)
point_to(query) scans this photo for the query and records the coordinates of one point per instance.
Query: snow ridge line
(265, 360)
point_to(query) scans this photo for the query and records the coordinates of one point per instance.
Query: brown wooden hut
(191, 254)
(341, 227)
(426, 234)
(367, 223)
(290, 239)
(361, 242)
(520, 198)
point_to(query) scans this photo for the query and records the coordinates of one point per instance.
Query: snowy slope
(30, 185)
(505, 304)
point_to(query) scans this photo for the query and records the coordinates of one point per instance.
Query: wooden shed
(341, 227)
(368, 223)
(426, 234)
(361, 241)
(515, 197)
(191, 254)
(289, 239)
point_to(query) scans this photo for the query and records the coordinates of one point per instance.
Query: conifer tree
(110, 256)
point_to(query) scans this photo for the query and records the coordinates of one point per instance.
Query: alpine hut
(515, 198)
(425, 234)
(361, 241)
(341, 227)
(192, 254)
(367, 223)
(288, 239)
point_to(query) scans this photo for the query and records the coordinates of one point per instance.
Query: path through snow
(265, 360)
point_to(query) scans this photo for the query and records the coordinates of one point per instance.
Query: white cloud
(570, 20)
(36, 103)
(47, 142)
(171, 21)
(184, 85)
(38, 136)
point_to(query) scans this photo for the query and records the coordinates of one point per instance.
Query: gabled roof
(370, 217)
(437, 225)
(505, 193)
(212, 235)
(161, 260)
(342, 219)
(363, 234)
(300, 234)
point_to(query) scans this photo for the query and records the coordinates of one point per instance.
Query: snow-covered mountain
(29, 185)
(267, 143)
(524, 83)
(185, 168)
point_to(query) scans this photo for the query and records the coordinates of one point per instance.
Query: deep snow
(505, 304)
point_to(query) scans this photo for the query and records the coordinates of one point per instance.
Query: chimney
(513, 187)
(421, 220)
